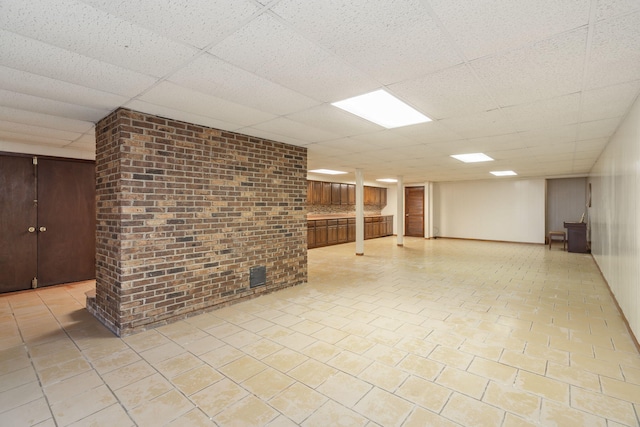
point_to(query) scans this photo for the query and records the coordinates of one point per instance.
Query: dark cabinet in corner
(320, 193)
(333, 231)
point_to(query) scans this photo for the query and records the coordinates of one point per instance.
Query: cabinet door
(368, 228)
(351, 190)
(376, 196)
(311, 234)
(344, 194)
(351, 230)
(383, 197)
(335, 193)
(326, 193)
(343, 231)
(368, 195)
(310, 192)
(332, 232)
(321, 233)
(316, 192)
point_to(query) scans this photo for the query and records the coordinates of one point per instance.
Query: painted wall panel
(509, 210)
(615, 213)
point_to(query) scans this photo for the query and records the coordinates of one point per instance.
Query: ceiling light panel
(327, 172)
(472, 157)
(503, 173)
(382, 108)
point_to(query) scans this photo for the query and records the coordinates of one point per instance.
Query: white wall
(505, 210)
(615, 213)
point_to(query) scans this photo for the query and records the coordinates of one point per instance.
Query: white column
(359, 212)
(429, 196)
(400, 212)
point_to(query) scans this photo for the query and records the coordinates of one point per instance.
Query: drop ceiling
(538, 85)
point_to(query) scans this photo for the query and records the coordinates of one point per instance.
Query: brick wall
(183, 213)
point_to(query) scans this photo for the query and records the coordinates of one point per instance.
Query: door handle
(31, 229)
(43, 229)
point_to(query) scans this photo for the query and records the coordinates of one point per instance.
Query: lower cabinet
(326, 232)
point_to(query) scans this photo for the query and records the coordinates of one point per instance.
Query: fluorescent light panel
(472, 157)
(382, 108)
(327, 172)
(503, 173)
(387, 180)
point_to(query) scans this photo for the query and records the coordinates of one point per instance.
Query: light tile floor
(435, 333)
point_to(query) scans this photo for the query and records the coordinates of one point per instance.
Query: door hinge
(34, 283)
(35, 160)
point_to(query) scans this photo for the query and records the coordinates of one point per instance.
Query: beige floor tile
(121, 377)
(421, 417)
(491, 370)
(513, 400)
(321, 351)
(193, 418)
(511, 420)
(335, 415)
(425, 393)
(142, 391)
(20, 395)
(162, 352)
(115, 360)
(596, 366)
(146, 340)
(555, 414)
(307, 327)
(420, 366)
(250, 411)
(543, 386)
(261, 348)
(620, 389)
(547, 353)
(463, 382)
(75, 408)
(285, 359)
(267, 383)
(197, 379)
(218, 396)
(178, 365)
(113, 415)
(298, 402)
(487, 351)
(384, 408)
(73, 386)
(631, 374)
(17, 378)
(344, 389)
(241, 338)
(242, 369)
(383, 376)
(385, 354)
(573, 376)
(312, 373)
(349, 362)
(162, 409)
(524, 361)
(63, 371)
(471, 412)
(355, 344)
(602, 405)
(29, 414)
(451, 357)
(203, 345)
(221, 356)
(329, 335)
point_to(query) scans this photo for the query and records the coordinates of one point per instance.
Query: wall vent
(257, 276)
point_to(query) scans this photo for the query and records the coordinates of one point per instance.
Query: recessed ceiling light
(503, 173)
(387, 180)
(382, 108)
(327, 171)
(472, 157)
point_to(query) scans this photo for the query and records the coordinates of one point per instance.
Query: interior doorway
(414, 211)
(47, 221)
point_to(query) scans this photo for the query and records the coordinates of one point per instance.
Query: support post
(359, 213)
(400, 211)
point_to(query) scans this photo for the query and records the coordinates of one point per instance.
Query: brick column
(185, 213)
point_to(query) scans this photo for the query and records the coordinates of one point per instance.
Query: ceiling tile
(24, 138)
(391, 42)
(608, 102)
(553, 112)
(196, 22)
(36, 104)
(173, 96)
(293, 129)
(335, 120)
(598, 129)
(43, 120)
(615, 51)
(486, 27)
(478, 125)
(104, 37)
(29, 131)
(544, 70)
(610, 8)
(269, 49)
(48, 88)
(39, 58)
(215, 77)
(550, 136)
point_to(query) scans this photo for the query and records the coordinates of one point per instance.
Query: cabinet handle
(43, 229)
(31, 229)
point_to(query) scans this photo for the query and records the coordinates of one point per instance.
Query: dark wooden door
(66, 221)
(414, 211)
(18, 243)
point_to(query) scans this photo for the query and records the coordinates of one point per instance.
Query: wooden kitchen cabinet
(343, 230)
(335, 193)
(311, 234)
(332, 232)
(321, 233)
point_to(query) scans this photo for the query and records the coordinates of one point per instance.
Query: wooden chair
(558, 234)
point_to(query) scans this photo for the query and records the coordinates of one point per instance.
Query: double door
(47, 222)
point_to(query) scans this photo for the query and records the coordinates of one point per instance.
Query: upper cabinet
(332, 193)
